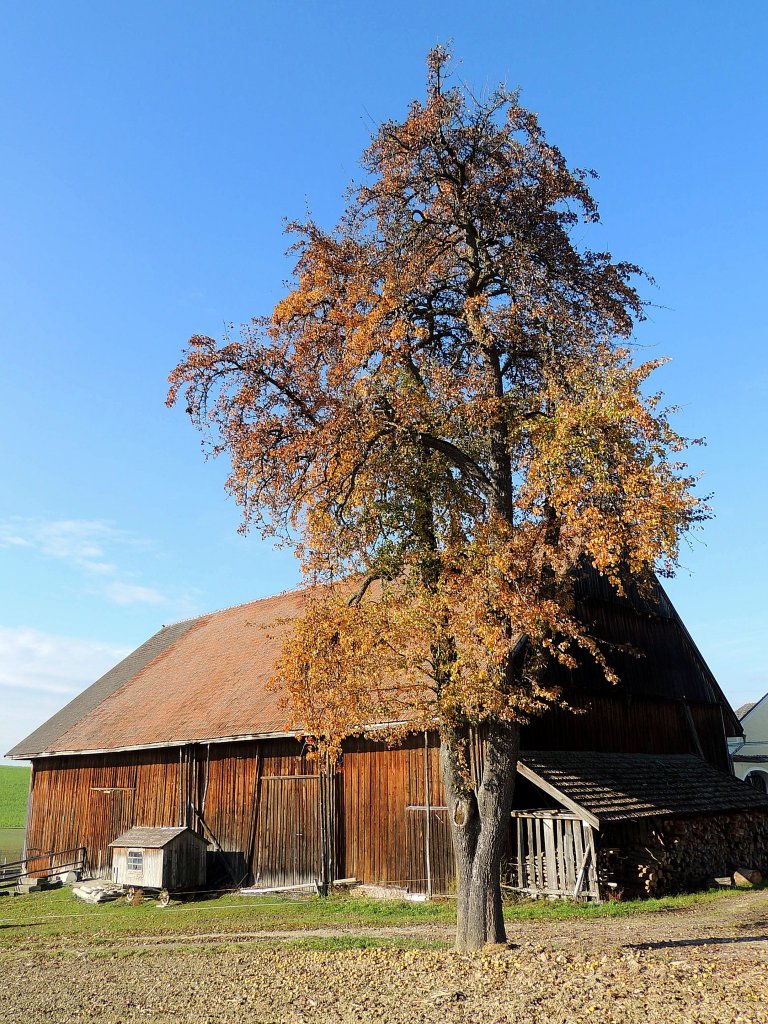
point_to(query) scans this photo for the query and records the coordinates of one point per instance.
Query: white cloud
(91, 547)
(33, 661)
(81, 543)
(40, 673)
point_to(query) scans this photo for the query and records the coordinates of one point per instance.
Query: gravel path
(707, 964)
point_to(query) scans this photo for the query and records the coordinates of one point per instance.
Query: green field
(14, 787)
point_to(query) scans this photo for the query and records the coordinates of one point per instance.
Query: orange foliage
(444, 403)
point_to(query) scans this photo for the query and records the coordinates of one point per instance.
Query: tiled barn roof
(206, 678)
(618, 787)
(198, 680)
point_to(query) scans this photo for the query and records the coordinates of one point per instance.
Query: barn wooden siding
(259, 807)
(271, 817)
(622, 723)
(395, 826)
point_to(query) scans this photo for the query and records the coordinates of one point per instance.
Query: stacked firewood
(656, 857)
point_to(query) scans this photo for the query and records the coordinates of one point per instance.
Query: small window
(135, 860)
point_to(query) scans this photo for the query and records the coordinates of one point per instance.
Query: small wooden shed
(159, 858)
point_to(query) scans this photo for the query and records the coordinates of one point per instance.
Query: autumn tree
(443, 416)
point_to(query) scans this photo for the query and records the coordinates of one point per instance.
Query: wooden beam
(545, 812)
(283, 778)
(582, 869)
(427, 819)
(582, 812)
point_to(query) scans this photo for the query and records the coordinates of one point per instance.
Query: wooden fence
(553, 854)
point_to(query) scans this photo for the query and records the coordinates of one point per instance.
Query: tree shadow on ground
(725, 940)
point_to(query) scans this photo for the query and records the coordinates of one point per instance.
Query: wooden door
(111, 814)
(288, 847)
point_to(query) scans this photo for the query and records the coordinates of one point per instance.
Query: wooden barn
(632, 790)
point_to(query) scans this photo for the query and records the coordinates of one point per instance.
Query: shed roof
(152, 838)
(206, 679)
(619, 787)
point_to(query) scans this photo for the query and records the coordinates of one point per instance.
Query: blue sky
(150, 154)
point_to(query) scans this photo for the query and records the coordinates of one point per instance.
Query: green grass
(39, 917)
(58, 913)
(14, 789)
(556, 910)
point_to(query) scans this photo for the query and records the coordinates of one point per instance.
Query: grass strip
(40, 916)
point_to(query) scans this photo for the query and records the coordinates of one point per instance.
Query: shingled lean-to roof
(617, 787)
(195, 681)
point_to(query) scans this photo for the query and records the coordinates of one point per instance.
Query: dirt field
(708, 963)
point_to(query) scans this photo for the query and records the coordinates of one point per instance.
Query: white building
(750, 754)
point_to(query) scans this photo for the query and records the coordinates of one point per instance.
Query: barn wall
(631, 725)
(257, 804)
(89, 801)
(708, 721)
(260, 804)
(389, 786)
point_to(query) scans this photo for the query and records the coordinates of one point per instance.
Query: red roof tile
(208, 682)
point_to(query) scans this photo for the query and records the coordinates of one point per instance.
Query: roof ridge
(231, 607)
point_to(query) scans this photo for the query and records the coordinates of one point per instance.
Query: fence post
(428, 826)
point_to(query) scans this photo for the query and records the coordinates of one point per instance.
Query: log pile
(656, 857)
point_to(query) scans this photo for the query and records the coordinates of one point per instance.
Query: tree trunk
(479, 813)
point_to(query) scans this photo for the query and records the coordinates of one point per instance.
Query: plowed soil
(704, 964)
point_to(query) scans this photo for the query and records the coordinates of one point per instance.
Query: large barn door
(112, 813)
(289, 841)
